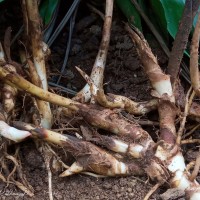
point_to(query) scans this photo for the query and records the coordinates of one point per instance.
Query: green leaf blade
(173, 10)
(47, 9)
(130, 12)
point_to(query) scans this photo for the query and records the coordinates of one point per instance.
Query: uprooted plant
(94, 154)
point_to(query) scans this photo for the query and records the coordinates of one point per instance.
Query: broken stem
(159, 80)
(98, 69)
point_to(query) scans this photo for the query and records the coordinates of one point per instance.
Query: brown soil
(124, 76)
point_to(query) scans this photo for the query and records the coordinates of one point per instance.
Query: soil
(124, 76)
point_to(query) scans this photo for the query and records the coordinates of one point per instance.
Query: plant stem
(34, 32)
(23, 84)
(100, 62)
(181, 39)
(194, 62)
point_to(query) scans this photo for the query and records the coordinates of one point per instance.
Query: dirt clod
(172, 194)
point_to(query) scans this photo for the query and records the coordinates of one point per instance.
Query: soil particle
(32, 157)
(191, 155)
(172, 194)
(80, 187)
(91, 188)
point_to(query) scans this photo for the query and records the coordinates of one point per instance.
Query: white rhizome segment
(122, 147)
(2, 55)
(12, 133)
(163, 86)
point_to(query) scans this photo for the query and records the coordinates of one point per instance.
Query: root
(47, 154)
(192, 131)
(180, 42)
(182, 124)
(33, 28)
(152, 191)
(112, 121)
(196, 169)
(92, 8)
(190, 141)
(7, 176)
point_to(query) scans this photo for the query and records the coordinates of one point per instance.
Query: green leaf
(169, 13)
(130, 12)
(158, 15)
(47, 8)
(1, 1)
